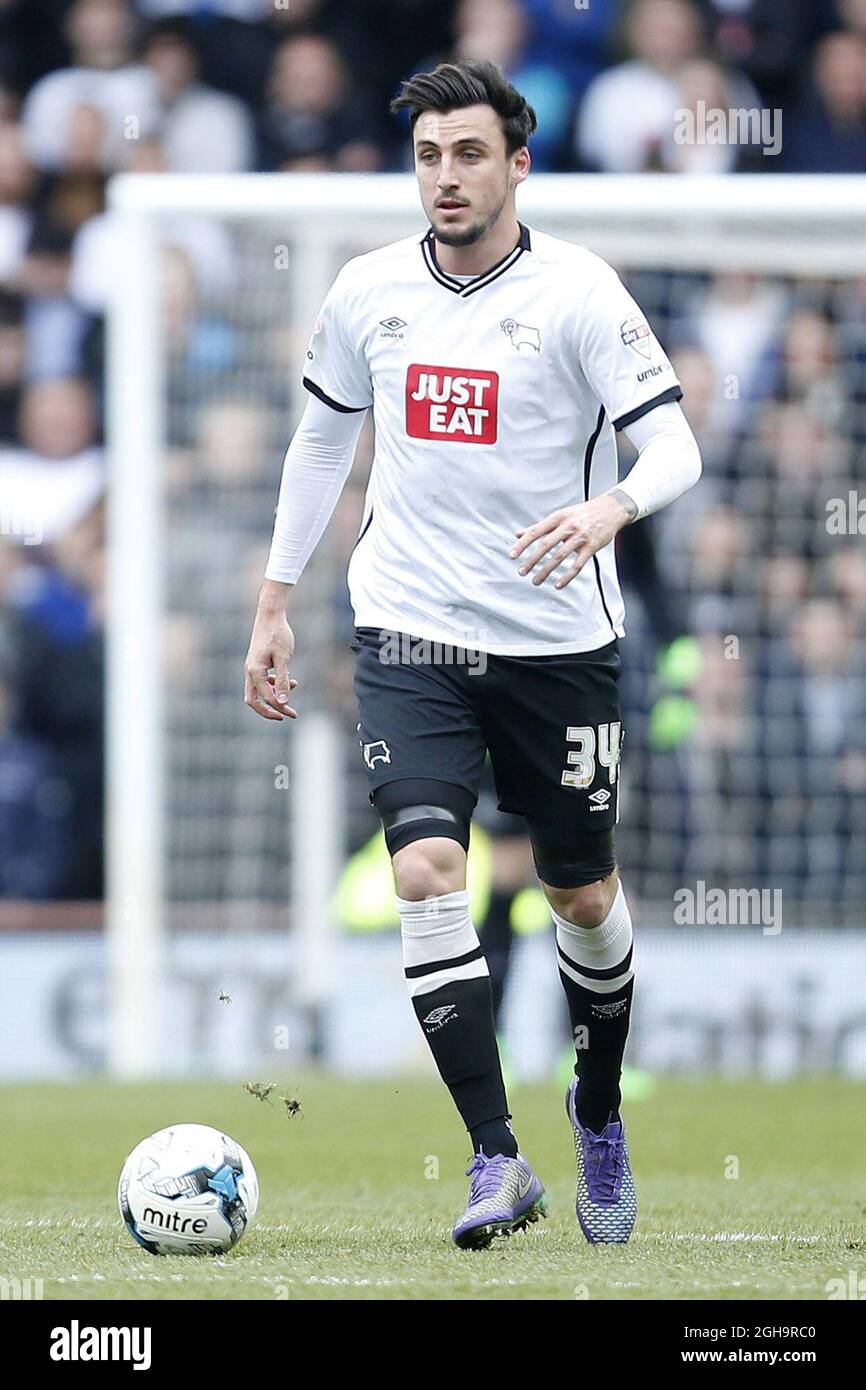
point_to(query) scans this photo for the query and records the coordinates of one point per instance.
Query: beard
(469, 235)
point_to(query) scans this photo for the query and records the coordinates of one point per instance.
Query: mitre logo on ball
(457, 403)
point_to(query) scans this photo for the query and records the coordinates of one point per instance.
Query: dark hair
(476, 82)
(176, 29)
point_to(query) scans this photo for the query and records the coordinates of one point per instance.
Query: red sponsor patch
(457, 403)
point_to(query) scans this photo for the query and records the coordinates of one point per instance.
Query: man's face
(464, 173)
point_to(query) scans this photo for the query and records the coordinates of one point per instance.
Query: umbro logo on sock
(437, 1018)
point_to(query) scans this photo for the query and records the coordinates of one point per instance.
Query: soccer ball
(188, 1190)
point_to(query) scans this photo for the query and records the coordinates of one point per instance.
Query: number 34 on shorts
(589, 750)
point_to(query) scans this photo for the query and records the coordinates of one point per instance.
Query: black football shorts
(551, 724)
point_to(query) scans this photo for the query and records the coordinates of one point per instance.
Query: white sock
(607, 948)
(440, 944)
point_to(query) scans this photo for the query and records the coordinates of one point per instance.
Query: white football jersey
(495, 401)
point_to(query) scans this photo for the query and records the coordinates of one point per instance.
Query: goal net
(745, 752)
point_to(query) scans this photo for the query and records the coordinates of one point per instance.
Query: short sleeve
(620, 355)
(335, 368)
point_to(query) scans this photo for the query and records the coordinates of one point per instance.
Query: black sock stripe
(609, 974)
(415, 972)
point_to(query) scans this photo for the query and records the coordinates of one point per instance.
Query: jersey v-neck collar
(467, 287)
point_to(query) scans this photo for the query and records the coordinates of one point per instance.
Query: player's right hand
(267, 683)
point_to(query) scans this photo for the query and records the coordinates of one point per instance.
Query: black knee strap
(417, 808)
(574, 861)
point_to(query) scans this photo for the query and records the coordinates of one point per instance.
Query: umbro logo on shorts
(452, 403)
(599, 800)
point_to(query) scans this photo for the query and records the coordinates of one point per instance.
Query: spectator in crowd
(17, 185)
(812, 700)
(846, 576)
(11, 365)
(736, 321)
(60, 677)
(628, 112)
(37, 224)
(720, 597)
(724, 811)
(851, 14)
(811, 370)
(381, 39)
(200, 130)
(769, 40)
(549, 53)
(31, 261)
(238, 44)
(572, 38)
(499, 29)
(56, 475)
(313, 119)
(33, 811)
(806, 463)
(829, 136)
(784, 583)
(705, 89)
(82, 115)
(33, 42)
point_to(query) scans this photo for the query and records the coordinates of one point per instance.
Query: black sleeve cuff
(673, 393)
(335, 405)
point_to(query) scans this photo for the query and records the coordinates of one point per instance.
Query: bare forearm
(273, 598)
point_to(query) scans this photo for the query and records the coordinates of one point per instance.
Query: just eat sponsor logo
(455, 403)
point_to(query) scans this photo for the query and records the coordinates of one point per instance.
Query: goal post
(799, 226)
(134, 829)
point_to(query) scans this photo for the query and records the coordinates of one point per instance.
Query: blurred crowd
(745, 763)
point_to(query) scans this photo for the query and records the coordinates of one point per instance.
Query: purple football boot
(606, 1201)
(505, 1196)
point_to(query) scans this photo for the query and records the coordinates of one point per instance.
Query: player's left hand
(578, 531)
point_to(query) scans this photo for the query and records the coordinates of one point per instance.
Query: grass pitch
(360, 1189)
